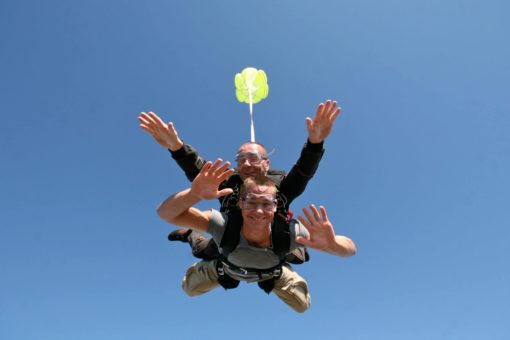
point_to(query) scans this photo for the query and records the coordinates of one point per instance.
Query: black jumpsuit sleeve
(191, 163)
(296, 180)
(189, 160)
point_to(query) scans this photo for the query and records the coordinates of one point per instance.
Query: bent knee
(191, 292)
(301, 308)
(192, 289)
(190, 285)
(199, 278)
(302, 297)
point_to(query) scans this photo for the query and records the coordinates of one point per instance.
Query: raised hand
(322, 235)
(205, 185)
(164, 134)
(320, 126)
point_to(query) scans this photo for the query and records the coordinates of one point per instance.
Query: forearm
(308, 161)
(188, 160)
(342, 246)
(297, 179)
(175, 205)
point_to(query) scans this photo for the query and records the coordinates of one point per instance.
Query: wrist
(314, 145)
(193, 195)
(175, 147)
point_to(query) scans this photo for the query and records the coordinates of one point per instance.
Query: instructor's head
(252, 160)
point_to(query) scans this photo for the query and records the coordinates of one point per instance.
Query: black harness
(280, 237)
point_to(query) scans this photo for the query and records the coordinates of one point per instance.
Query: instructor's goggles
(253, 158)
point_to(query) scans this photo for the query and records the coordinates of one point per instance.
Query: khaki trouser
(291, 288)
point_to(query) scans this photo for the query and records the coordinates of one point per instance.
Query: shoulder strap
(231, 235)
(280, 236)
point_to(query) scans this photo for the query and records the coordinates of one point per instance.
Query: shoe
(298, 256)
(179, 235)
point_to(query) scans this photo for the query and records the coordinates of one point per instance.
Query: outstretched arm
(163, 133)
(177, 209)
(166, 135)
(319, 129)
(322, 235)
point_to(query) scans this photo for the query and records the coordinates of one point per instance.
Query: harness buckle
(219, 268)
(277, 272)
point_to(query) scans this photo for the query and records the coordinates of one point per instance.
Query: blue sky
(415, 171)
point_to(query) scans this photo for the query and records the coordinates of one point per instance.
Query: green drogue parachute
(251, 88)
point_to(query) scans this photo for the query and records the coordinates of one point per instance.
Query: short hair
(255, 143)
(257, 180)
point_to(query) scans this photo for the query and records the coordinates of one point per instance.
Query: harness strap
(267, 277)
(280, 234)
(267, 285)
(273, 271)
(225, 280)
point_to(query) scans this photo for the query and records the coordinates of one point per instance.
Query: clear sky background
(416, 170)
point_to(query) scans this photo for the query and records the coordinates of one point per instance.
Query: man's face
(251, 161)
(258, 205)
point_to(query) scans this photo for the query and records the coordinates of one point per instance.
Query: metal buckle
(220, 269)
